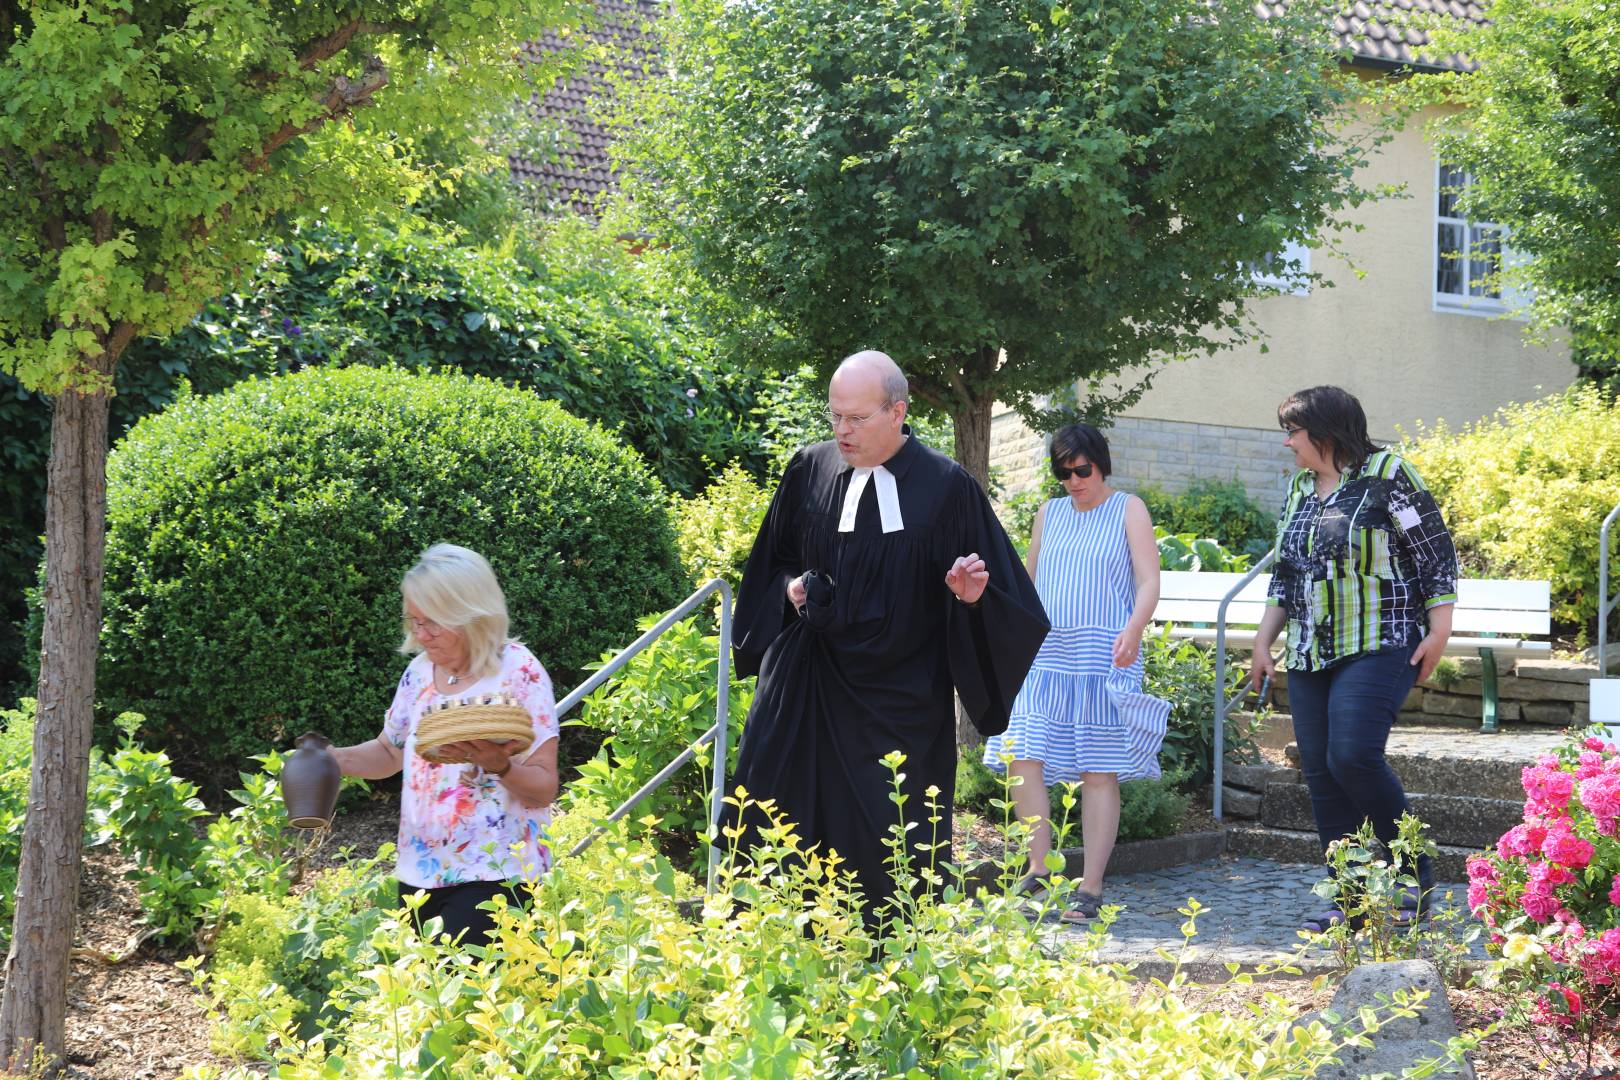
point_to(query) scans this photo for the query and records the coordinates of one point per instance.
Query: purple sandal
(1323, 922)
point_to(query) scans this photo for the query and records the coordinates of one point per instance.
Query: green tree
(144, 149)
(1006, 195)
(1539, 130)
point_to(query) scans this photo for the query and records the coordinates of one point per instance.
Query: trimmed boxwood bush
(256, 539)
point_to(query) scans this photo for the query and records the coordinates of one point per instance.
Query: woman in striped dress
(1081, 714)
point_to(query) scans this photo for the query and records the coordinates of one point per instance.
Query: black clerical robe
(872, 663)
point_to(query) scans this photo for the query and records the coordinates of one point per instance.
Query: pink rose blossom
(1591, 765)
(1521, 840)
(1614, 891)
(1567, 849)
(1601, 795)
(1545, 877)
(1561, 1007)
(1547, 787)
(1594, 743)
(1600, 958)
(1478, 894)
(1540, 906)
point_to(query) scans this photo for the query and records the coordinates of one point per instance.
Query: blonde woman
(474, 827)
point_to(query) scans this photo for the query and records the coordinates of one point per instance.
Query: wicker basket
(497, 718)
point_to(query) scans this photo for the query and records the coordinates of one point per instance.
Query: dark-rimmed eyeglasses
(1063, 472)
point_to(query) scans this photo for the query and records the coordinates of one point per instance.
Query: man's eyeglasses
(855, 422)
(1063, 472)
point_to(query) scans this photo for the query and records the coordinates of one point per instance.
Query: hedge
(256, 539)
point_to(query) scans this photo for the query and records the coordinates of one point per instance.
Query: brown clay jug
(310, 778)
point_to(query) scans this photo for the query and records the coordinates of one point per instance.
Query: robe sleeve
(763, 611)
(992, 644)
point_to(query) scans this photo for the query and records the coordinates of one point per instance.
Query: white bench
(1495, 618)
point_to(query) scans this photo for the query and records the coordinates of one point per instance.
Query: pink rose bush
(1549, 894)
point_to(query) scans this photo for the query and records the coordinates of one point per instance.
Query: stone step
(1444, 761)
(1465, 821)
(1293, 846)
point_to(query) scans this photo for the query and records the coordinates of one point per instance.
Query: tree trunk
(32, 1015)
(973, 454)
(973, 438)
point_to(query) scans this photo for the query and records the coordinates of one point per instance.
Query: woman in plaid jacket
(1365, 581)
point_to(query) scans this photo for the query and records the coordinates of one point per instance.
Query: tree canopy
(144, 148)
(1539, 131)
(1006, 195)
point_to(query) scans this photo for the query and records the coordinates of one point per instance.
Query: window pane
(1452, 182)
(1449, 268)
(1485, 259)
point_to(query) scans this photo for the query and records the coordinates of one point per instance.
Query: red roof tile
(580, 175)
(1390, 32)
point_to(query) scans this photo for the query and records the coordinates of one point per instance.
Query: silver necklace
(451, 680)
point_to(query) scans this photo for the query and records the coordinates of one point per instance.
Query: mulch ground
(140, 1019)
(132, 1011)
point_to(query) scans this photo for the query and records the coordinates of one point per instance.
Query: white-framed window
(1468, 254)
(1270, 270)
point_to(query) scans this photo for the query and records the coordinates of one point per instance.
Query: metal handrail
(1221, 703)
(1606, 603)
(716, 734)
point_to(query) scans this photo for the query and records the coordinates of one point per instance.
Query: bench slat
(1456, 646)
(1238, 613)
(1498, 621)
(1505, 594)
(1484, 606)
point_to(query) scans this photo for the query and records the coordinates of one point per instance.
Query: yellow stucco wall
(1377, 335)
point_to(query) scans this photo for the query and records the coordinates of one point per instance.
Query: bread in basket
(495, 717)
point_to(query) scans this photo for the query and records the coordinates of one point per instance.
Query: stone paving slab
(1253, 908)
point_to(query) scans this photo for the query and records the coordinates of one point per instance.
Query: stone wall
(1550, 692)
(1165, 453)
(1017, 454)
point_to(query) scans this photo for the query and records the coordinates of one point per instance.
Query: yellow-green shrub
(715, 530)
(1526, 490)
(777, 978)
(277, 957)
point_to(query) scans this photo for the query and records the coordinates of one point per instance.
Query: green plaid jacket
(1357, 571)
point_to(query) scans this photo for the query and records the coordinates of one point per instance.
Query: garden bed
(140, 1018)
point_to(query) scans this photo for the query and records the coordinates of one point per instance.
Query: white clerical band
(888, 497)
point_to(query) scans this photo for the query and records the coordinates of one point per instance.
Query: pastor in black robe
(871, 664)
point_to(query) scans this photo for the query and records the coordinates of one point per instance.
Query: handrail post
(1221, 704)
(718, 733)
(1606, 603)
(722, 728)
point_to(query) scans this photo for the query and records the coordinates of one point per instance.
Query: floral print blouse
(1358, 571)
(457, 823)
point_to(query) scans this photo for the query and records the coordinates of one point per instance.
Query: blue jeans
(1342, 718)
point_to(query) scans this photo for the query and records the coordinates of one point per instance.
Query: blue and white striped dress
(1077, 712)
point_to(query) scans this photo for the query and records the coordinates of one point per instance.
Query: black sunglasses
(1062, 472)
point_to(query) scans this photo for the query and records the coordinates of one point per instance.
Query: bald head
(871, 364)
(867, 399)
